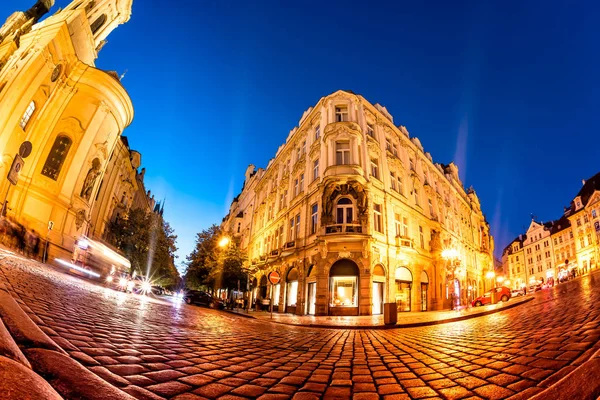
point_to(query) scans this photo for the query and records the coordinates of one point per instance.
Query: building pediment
(594, 199)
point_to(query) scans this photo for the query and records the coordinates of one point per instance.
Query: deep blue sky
(508, 89)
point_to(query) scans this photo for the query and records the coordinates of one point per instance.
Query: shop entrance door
(312, 297)
(377, 298)
(403, 295)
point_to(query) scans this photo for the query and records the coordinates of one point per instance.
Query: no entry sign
(274, 277)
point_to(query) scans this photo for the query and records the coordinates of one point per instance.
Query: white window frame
(315, 169)
(27, 115)
(342, 155)
(314, 218)
(341, 113)
(377, 218)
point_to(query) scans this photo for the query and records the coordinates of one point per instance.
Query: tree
(149, 242)
(213, 267)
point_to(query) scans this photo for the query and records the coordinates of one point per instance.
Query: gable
(594, 198)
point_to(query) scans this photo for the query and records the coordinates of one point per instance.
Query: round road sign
(274, 277)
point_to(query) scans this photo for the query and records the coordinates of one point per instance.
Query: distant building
(556, 249)
(52, 95)
(354, 214)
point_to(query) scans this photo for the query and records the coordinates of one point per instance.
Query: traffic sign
(15, 169)
(274, 277)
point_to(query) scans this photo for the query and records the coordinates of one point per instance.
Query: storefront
(311, 290)
(276, 293)
(404, 282)
(343, 288)
(291, 291)
(424, 289)
(378, 289)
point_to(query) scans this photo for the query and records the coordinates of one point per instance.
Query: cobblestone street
(154, 348)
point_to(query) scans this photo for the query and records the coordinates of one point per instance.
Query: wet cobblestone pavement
(155, 349)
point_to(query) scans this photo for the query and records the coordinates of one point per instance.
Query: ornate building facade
(354, 214)
(565, 247)
(72, 113)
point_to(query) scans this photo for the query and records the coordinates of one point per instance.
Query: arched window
(98, 24)
(27, 115)
(344, 211)
(403, 288)
(56, 157)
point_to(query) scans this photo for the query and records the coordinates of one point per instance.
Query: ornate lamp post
(452, 260)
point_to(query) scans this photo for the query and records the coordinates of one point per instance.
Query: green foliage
(211, 267)
(147, 240)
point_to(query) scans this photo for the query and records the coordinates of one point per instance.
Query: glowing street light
(224, 241)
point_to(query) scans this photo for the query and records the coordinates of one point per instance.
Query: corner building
(52, 95)
(354, 214)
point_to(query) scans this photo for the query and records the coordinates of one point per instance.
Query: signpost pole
(271, 301)
(4, 203)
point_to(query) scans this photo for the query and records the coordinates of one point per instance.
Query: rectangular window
(421, 237)
(342, 153)
(582, 241)
(416, 196)
(571, 234)
(578, 222)
(292, 230)
(405, 227)
(370, 131)
(398, 224)
(555, 242)
(585, 218)
(297, 226)
(341, 114)
(317, 133)
(395, 149)
(296, 187)
(388, 144)
(400, 185)
(377, 220)
(430, 208)
(412, 164)
(315, 169)
(298, 153)
(375, 168)
(393, 181)
(594, 213)
(301, 182)
(313, 218)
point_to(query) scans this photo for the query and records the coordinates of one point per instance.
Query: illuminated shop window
(292, 288)
(276, 293)
(343, 284)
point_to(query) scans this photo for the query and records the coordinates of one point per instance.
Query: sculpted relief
(334, 190)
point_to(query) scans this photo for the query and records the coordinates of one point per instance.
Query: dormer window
(27, 115)
(341, 114)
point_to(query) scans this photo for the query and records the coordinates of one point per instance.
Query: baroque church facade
(354, 215)
(53, 96)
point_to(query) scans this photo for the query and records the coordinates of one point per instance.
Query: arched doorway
(291, 291)
(403, 288)
(311, 289)
(378, 289)
(424, 288)
(276, 294)
(343, 288)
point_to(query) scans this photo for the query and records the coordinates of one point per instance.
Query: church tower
(52, 95)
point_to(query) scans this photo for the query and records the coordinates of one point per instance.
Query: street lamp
(224, 241)
(490, 276)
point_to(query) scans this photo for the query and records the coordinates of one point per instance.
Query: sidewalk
(405, 319)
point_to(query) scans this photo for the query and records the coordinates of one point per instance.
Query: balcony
(343, 228)
(402, 241)
(275, 253)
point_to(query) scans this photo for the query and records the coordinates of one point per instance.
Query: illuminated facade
(561, 248)
(354, 214)
(73, 113)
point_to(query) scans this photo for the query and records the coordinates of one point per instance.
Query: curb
(387, 327)
(581, 383)
(48, 362)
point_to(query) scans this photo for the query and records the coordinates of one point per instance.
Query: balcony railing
(404, 242)
(343, 228)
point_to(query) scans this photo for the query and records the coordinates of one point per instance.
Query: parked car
(203, 299)
(502, 293)
(516, 293)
